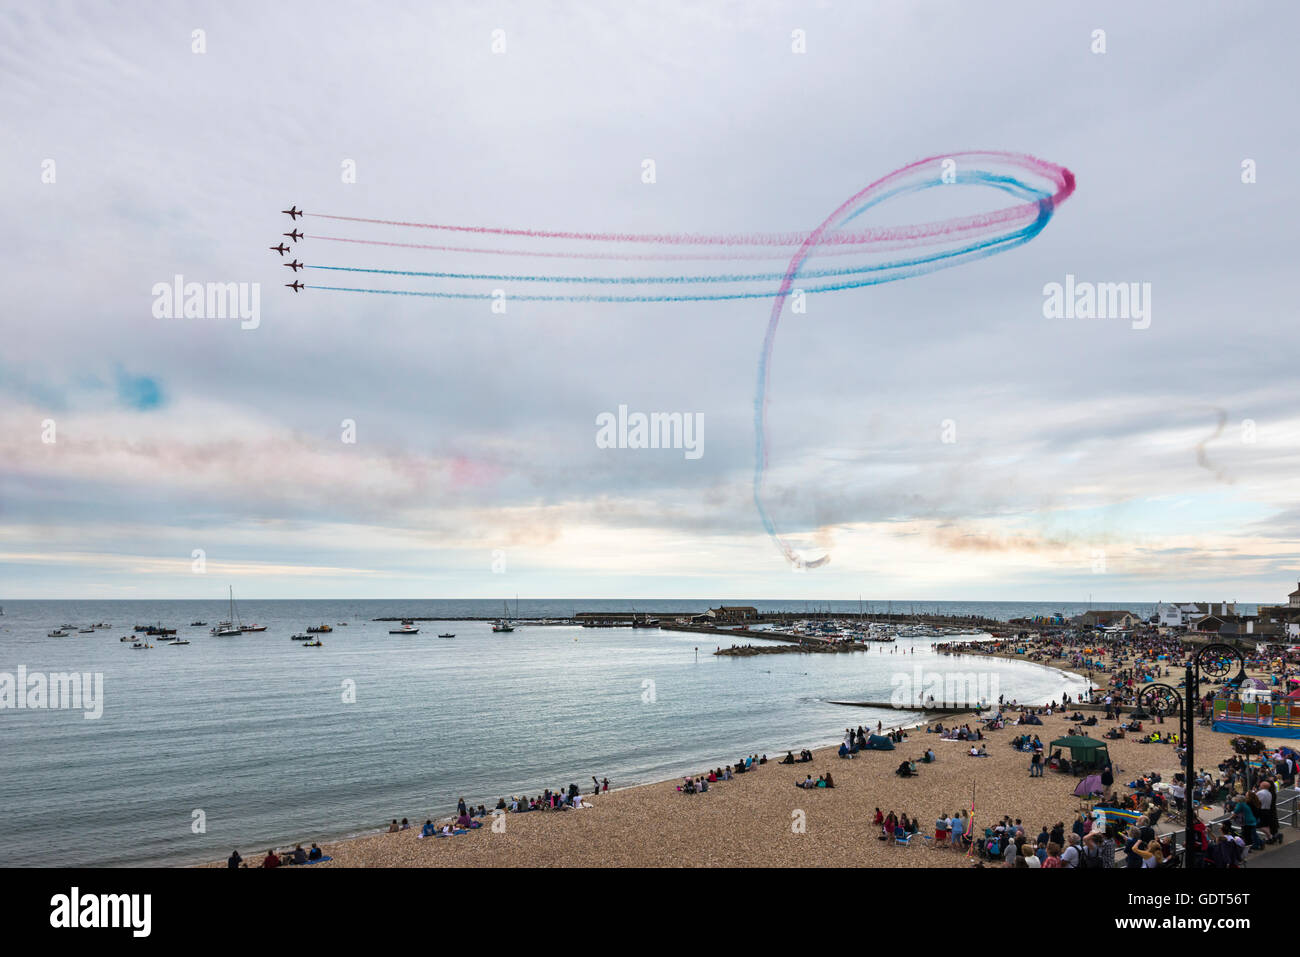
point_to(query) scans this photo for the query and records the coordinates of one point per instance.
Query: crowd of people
(275, 859)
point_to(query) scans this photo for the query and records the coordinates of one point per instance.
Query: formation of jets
(293, 212)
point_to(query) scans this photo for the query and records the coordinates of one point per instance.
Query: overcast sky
(1091, 458)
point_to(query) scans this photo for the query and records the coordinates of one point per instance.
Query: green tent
(1084, 751)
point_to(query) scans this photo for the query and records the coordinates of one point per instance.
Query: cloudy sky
(1090, 457)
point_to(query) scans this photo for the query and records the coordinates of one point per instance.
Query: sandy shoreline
(761, 819)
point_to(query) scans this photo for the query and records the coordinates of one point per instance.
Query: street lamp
(1215, 661)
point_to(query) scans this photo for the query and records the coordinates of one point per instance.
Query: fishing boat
(230, 627)
(446, 636)
(320, 629)
(158, 630)
(312, 644)
(140, 628)
(404, 630)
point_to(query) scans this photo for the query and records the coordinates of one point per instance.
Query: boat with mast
(230, 626)
(505, 624)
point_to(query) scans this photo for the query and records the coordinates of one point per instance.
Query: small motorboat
(343, 623)
(197, 624)
(446, 636)
(179, 641)
(404, 630)
(320, 629)
(313, 644)
(142, 644)
(253, 627)
(57, 633)
(300, 637)
(127, 638)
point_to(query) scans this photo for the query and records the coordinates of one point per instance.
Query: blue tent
(878, 742)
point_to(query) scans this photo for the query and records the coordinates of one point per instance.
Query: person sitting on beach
(394, 828)
(315, 854)
(828, 780)
(807, 782)
(789, 758)
(904, 770)
(845, 752)
(878, 819)
(887, 827)
(466, 822)
(272, 859)
(405, 824)
(428, 830)
(299, 856)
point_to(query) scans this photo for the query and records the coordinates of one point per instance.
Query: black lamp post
(1215, 661)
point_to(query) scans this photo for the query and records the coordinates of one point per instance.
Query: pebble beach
(753, 820)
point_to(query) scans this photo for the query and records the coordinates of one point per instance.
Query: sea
(256, 741)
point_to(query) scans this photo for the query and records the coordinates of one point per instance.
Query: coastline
(366, 848)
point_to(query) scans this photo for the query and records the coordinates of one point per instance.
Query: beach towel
(320, 860)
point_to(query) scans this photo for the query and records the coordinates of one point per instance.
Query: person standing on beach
(1036, 765)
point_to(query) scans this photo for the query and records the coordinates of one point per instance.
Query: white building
(1182, 615)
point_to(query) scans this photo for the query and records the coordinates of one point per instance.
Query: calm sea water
(254, 733)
